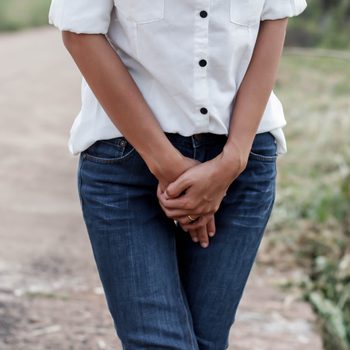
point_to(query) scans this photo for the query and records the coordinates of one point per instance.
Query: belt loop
(193, 142)
(196, 140)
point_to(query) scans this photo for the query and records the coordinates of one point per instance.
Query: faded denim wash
(163, 290)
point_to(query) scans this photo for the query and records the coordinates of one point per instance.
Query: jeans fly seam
(183, 302)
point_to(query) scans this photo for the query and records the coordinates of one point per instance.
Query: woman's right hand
(169, 174)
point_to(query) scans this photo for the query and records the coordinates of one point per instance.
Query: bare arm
(122, 100)
(255, 89)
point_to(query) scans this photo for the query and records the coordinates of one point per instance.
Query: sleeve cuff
(277, 9)
(74, 17)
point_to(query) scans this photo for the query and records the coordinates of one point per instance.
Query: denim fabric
(163, 290)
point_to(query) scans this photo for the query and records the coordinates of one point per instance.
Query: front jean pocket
(108, 151)
(264, 148)
(141, 11)
(246, 12)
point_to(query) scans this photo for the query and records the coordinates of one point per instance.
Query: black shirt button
(203, 14)
(202, 63)
(204, 110)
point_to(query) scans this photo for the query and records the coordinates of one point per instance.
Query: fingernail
(204, 244)
(211, 234)
(195, 239)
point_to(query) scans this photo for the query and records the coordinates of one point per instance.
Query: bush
(324, 23)
(17, 14)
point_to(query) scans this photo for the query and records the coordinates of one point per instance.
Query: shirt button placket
(202, 63)
(201, 93)
(204, 110)
(203, 14)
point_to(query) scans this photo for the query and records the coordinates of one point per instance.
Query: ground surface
(50, 295)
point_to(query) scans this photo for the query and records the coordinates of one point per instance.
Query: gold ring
(191, 218)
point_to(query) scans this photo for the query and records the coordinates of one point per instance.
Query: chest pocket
(141, 11)
(246, 12)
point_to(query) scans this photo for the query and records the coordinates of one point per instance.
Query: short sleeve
(277, 9)
(81, 16)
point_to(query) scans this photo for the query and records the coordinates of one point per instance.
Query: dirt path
(50, 295)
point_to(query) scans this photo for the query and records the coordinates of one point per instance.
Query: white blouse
(188, 59)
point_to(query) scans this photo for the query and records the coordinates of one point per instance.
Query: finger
(172, 203)
(160, 196)
(161, 187)
(194, 235)
(166, 211)
(185, 221)
(203, 236)
(202, 221)
(211, 226)
(160, 192)
(174, 189)
(178, 215)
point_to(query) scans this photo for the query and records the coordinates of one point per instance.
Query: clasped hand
(197, 192)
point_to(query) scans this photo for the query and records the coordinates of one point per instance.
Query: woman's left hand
(198, 191)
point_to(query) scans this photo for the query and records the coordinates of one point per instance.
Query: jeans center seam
(183, 303)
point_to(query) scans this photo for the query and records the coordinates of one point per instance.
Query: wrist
(234, 153)
(161, 160)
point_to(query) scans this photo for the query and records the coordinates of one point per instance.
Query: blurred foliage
(19, 14)
(325, 23)
(310, 224)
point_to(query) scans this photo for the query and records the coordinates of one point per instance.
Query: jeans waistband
(197, 139)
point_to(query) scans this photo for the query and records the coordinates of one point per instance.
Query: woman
(178, 136)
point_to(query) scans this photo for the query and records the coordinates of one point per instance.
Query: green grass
(311, 219)
(20, 14)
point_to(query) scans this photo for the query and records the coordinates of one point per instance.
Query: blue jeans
(163, 290)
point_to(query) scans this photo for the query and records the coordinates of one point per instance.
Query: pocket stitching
(249, 24)
(129, 14)
(109, 160)
(115, 144)
(261, 157)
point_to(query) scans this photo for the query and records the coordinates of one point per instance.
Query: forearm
(255, 89)
(120, 97)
